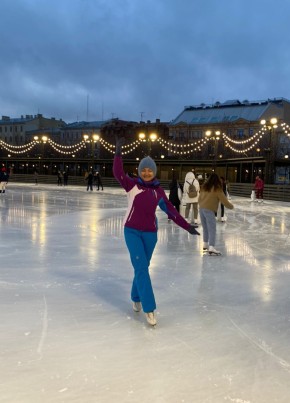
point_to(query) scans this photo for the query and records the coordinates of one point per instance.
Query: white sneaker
(151, 318)
(137, 306)
(205, 246)
(213, 251)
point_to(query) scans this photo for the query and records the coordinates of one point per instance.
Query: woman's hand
(193, 231)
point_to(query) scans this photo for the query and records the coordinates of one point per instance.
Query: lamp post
(215, 136)
(92, 140)
(150, 138)
(43, 141)
(271, 125)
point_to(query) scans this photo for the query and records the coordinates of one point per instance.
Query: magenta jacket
(143, 199)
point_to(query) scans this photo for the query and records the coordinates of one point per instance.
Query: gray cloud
(128, 57)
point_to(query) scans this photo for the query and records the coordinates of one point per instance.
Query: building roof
(229, 111)
(7, 120)
(85, 125)
(24, 119)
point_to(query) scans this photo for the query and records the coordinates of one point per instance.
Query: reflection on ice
(68, 333)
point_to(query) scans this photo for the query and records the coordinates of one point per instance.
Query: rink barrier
(72, 180)
(271, 192)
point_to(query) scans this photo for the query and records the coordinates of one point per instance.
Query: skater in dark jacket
(140, 226)
(174, 193)
(98, 181)
(90, 180)
(4, 178)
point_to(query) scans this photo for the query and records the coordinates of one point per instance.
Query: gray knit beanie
(147, 162)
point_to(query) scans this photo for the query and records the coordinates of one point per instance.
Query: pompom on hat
(147, 162)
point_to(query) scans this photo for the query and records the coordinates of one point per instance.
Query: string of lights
(66, 150)
(22, 149)
(259, 134)
(286, 128)
(170, 146)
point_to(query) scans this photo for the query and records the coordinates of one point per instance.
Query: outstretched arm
(174, 215)
(118, 169)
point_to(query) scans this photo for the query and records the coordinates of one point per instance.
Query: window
(240, 133)
(195, 134)
(180, 135)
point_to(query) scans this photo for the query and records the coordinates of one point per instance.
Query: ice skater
(211, 194)
(191, 200)
(98, 181)
(140, 226)
(259, 189)
(4, 178)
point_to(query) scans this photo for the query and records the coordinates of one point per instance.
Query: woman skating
(140, 226)
(211, 194)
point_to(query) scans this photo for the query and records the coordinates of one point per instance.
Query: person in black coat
(174, 194)
(98, 181)
(224, 186)
(90, 179)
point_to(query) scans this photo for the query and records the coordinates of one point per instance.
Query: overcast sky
(98, 59)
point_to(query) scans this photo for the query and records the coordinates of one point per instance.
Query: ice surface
(68, 332)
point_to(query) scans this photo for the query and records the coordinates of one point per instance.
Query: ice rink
(68, 332)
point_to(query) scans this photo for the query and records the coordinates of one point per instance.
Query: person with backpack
(191, 190)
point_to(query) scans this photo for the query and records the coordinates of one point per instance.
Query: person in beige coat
(190, 202)
(211, 194)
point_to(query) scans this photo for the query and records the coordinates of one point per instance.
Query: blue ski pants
(141, 246)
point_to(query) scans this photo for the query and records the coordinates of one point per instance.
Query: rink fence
(271, 192)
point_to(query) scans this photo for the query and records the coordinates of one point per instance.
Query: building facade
(18, 131)
(237, 139)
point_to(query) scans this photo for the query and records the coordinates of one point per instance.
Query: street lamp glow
(273, 121)
(142, 136)
(44, 139)
(153, 136)
(263, 122)
(85, 136)
(218, 133)
(208, 133)
(35, 138)
(96, 137)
